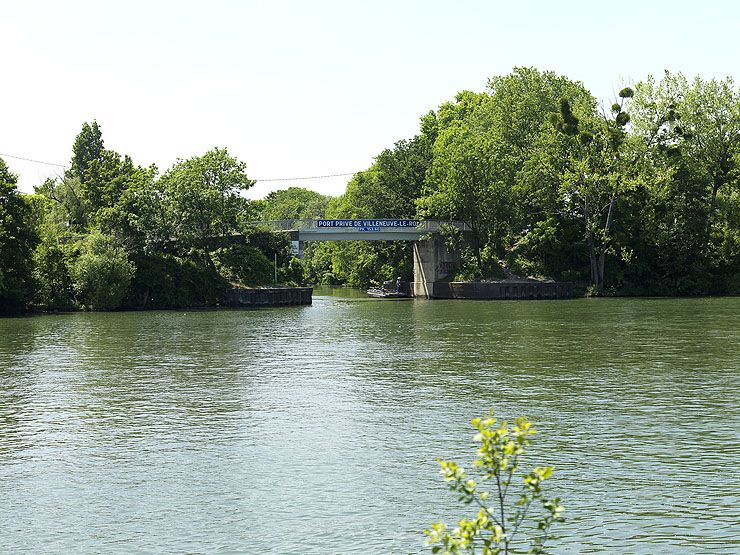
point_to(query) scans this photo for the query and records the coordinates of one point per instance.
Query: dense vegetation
(110, 234)
(641, 198)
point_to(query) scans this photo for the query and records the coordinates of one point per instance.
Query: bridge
(433, 261)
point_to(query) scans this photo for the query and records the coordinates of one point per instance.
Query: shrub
(167, 281)
(101, 274)
(244, 264)
(52, 276)
(496, 528)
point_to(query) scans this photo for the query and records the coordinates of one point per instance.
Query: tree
(691, 130)
(293, 203)
(462, 184)
(55, 288)
(390, 186)
(88, 146)
(67, 210)
(101, 273)
(17, 240)
(482, 143)
(497, 526)
(107, 179)
(388, 189)
(203, 200)
(594, 173)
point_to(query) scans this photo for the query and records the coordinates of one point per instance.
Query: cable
(301, 178)
(263, 180)
(35, 161)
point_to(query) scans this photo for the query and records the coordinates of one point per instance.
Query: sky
(301, 89)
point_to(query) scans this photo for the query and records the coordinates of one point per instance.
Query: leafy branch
(495, 526)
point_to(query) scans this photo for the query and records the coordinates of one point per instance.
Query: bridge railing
(291, 225)
(284, 225)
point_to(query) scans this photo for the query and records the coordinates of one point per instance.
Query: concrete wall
(433, 261)
(277, 296)
(502, 290)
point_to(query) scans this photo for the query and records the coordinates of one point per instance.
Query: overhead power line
(301, 178)
(35, 161)
(263, 180)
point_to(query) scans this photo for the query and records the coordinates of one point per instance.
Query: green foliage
(293, 203)
(483, 143)
(244, 264)
(691, 133)
(66, 209)
(168, 281)
(202, 199)
(390, 186)
(357, 263)
(55, 289)
(596, 168)
(101, 273)
(388, 189)
(642, 197)
(88, 146)
(17, 240)
(184, 232)
(503, 502)
(294, 273)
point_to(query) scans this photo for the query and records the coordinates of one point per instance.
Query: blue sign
(367, 225)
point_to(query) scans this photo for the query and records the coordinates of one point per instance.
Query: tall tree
(596, 173)
(203, 197)
(691, 130)
(88, 146)
(483, 141)
(390, 186)
(17, 240)
(293, 203)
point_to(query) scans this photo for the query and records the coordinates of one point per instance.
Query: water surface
(314, 430)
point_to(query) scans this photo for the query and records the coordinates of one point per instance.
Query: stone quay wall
(264, 297)
(503, 290)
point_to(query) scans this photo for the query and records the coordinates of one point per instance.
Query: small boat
(380, 293)
(389, 290)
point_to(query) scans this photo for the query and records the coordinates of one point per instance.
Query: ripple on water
(315, 429)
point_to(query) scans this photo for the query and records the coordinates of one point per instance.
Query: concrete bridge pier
(433, 261)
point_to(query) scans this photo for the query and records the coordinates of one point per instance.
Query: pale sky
(310, 88)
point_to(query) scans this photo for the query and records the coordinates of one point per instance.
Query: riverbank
(237, 297)
(502, 290)
(234, 297)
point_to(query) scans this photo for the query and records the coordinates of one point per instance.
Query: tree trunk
(593, 261)
(475, 243)
(591, 245)
(600, 276)
(602, 253)
(717, 182)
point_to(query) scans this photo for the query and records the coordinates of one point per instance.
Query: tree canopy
(638, 197)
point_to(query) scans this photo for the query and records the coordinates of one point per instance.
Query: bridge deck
(360, 229)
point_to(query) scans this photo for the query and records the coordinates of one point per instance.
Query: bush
(166, 281)
(55, 290)
(244, 264)
(494, 528)
(17, 241)
(101, 273)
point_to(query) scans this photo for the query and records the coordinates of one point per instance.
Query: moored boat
(390, 290)
(380, 293)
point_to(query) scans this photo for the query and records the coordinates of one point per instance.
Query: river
(314, 430)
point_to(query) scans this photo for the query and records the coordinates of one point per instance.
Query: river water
(314, 430)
